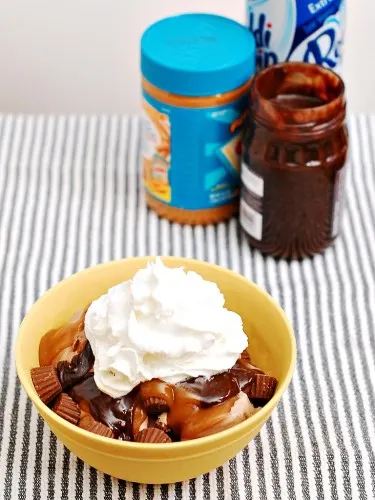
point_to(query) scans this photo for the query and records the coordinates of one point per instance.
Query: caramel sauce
(156, 389)
(206, 421)
(186, 403)
(52, 345)
(197, 407)
(202, 422)
(66, 354)
(56, 340)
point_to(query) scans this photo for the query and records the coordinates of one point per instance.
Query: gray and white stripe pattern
(70, 197)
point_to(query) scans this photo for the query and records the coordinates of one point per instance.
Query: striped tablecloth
(70, 197)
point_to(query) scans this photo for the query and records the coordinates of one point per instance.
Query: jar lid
(197, 54)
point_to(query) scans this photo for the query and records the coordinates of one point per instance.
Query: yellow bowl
(272, 348)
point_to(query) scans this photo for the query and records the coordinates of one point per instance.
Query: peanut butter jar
(196, 71)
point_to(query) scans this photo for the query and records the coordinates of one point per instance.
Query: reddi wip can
(298, 30)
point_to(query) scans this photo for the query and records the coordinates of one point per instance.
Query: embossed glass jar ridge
(295, 149)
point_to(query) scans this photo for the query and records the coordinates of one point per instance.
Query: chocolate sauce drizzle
(72, 372)
(117, 413)
(113, 412)
(220, 387)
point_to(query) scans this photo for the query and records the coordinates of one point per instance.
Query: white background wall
(82, 56)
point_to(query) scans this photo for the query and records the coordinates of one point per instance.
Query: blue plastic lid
(197, 54)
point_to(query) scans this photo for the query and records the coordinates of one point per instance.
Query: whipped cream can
(298, 30)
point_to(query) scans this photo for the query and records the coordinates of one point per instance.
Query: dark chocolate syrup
(220, 387)
(296, 101)
(244, 373)
(114, 412)
(118, 413)
(72, 372)
(295, 148)
(213, 390)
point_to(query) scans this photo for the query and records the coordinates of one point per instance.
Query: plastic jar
(196, 71)
(295, 150)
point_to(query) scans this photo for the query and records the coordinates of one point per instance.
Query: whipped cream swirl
(164, 323)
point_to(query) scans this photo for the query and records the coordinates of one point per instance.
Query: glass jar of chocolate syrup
(295, 150)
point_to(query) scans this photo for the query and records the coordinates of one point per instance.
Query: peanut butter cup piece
(99, 429)
(153, 435)
(88, 423)
(85, 421)
(155, 406)
(46, 383)
(67, 409)
(262, 387)
(156, 395)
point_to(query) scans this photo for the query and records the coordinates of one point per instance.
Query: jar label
(191, 156)
(156, 152)
(251, 206)
(338, 197)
